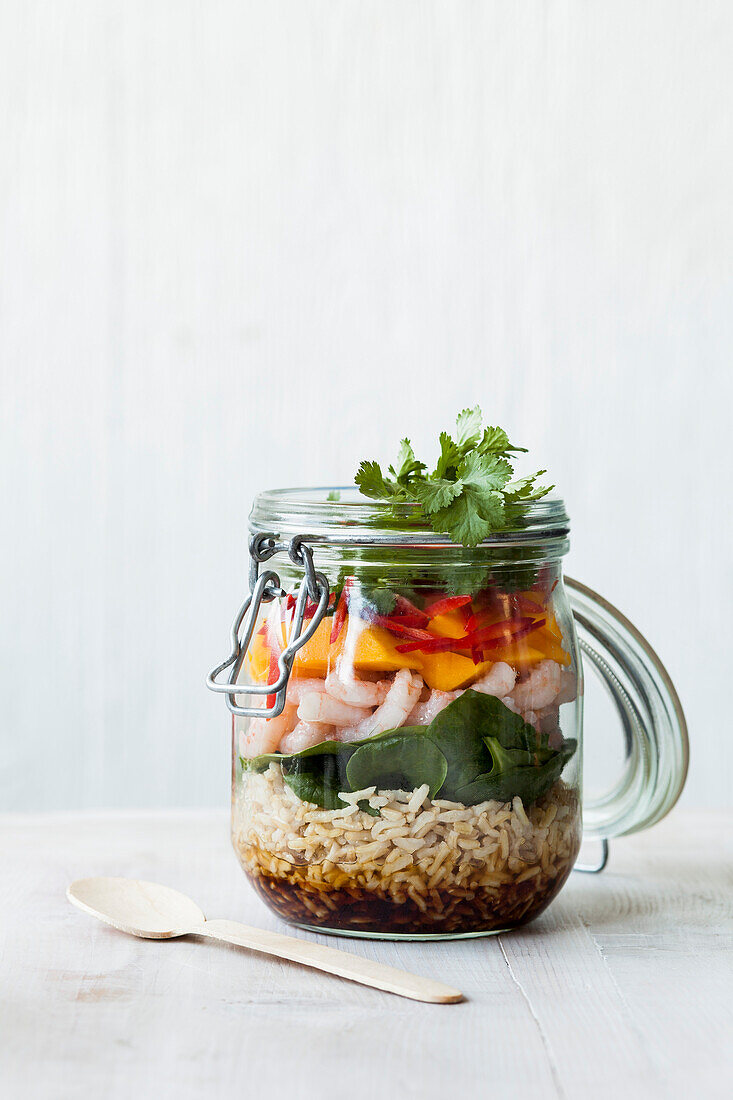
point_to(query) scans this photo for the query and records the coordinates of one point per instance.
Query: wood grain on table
(623, 988)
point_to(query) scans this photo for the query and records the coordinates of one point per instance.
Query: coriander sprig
(466, 495)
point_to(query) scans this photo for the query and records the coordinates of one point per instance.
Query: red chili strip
(524, 605)
(490, 637)
(442, 607)
(514, 636)
(407, 613)
(339, 617)
(507, 628)
(272, 677)
(401, 627)
(435, 645)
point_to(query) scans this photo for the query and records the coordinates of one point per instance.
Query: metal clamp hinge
(265, 587)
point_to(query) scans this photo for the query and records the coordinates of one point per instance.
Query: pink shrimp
(342, 684)
(498, 681)
(423, 713)
(263, 735)
(317, 706)
(539, 689)
(399, 702)
(305, 735)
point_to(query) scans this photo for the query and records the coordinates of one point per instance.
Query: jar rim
(353, 519)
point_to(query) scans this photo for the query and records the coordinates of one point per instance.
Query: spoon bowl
(144, 909)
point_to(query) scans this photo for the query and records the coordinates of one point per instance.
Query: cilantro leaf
(450, 455)
(372, 483)
(466, 495)
(434, 495)
(484, 472)
(468, 423)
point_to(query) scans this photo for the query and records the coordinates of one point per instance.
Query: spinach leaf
(402, 761)
(318, 777)
(460, 730)
(507, 779)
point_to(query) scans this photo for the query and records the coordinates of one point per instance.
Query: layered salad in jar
(422, 776)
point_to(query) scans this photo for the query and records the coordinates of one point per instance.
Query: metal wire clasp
(265, 587)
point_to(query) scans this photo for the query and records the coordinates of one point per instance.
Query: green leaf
(494, 441)
(407, 466)
(529, 783)
(465, 496)
(524, 488)
(484, 472)
(457, 732)
(462, 521)
(474, 750)
(371, 481)
(434, 495)
(450, 455)
(403, 761)
(463, 732)
(468, 427)
(318, 774)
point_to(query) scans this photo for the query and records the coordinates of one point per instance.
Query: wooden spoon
(156, 912)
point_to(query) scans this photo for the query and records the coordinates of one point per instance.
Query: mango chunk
(257, 661)
(450, 625)
(312, 659)
(550, 644)
(375, 651)
(520, 655)
(450, 671)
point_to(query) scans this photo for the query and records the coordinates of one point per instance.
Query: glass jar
(407, 749)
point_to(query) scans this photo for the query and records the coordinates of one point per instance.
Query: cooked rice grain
(421, 866)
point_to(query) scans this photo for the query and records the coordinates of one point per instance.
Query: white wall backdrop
(246, 244)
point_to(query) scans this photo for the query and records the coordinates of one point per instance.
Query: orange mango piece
(312, 659)
(257, 662)
(450, 671)
(450, 625)
(375, 651)
(520, 655)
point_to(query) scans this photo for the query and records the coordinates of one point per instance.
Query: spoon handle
(331, 960)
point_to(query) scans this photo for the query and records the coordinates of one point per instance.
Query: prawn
(539, 689)
(263, 735)
(568, 687)
(398, 704)
(498, 681)
(298, 689)
(423, 713)
(304, 736)
(317, 706)
(357, 693)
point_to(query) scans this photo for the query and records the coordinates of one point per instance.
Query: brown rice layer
(419, 867)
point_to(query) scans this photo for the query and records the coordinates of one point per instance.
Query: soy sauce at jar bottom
(440, 866)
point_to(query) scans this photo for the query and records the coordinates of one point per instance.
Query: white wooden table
(622, 989)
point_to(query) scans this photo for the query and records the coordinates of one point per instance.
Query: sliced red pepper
(272, 678)
(407, 613)
(490, 637)
(339, 617)
(435, 645)
(524, 605)
(509, 636)
(444, 606)
(401, 627)
(503, 629)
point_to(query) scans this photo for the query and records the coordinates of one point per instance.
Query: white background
(246, 244)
